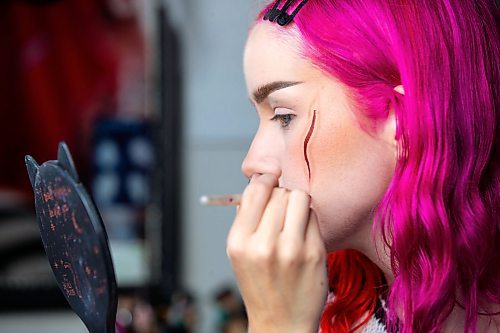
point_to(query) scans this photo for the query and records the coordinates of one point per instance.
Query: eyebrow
(261, 93)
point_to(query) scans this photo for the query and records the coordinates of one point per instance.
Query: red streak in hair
(356, 284)
(306, 142)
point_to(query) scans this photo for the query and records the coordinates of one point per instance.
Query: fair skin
(292, 214)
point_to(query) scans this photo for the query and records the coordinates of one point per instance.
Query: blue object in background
(123, 160)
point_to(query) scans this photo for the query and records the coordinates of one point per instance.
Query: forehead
(272, 54)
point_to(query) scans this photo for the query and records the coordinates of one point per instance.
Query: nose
(262, 157)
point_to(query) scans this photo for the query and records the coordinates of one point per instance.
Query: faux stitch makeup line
(306, 142)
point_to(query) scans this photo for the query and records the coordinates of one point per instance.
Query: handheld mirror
(75, 241)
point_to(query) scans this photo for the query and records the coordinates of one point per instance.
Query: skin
(350, 169)
(288, 220)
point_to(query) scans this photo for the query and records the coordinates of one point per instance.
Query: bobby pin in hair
(280, 15)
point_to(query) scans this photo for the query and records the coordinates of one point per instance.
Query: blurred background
(150, 97)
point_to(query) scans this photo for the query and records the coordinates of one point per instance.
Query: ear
(399, 89)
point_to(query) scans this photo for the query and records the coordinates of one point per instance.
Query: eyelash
(284, 119)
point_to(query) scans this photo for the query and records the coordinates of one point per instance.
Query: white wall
(219, 123)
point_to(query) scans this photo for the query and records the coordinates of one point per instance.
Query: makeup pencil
(221, 200)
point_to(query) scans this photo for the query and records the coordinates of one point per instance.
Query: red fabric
(58, 73)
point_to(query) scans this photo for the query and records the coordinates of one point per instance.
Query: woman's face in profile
(309, 137)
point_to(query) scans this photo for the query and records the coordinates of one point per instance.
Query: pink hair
(440, 215)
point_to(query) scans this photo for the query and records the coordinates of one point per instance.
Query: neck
(374, 248)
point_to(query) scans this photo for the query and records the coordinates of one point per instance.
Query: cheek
(349, 175)
(336, 151)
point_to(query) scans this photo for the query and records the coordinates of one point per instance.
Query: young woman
(377, 153)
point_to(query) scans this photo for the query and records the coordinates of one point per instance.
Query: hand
(279, 258)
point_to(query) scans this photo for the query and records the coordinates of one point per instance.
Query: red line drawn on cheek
(306, 142)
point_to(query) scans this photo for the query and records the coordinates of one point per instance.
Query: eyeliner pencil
(221, 200)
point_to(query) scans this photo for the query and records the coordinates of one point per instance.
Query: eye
(284, 119)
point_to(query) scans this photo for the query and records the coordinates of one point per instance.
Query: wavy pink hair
(440, 215)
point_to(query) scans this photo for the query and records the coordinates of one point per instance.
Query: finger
(253, 202)
(271, 223)
(313, 233)
(297, 215)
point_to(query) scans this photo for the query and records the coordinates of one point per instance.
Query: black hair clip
(280, 15)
